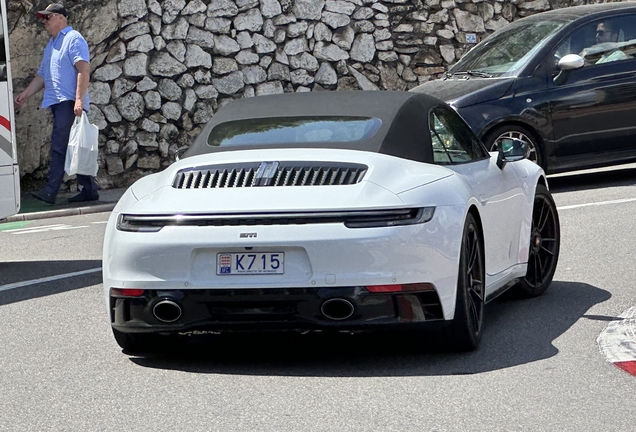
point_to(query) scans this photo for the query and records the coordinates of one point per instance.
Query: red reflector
(126, 292)
(401, 288)
(384, 288)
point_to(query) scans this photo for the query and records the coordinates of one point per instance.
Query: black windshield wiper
(479, 74)
(475, 73)
(447, 75)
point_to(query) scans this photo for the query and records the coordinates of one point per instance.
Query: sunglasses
(48, 17)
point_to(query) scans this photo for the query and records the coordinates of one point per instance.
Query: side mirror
(571, 62)
(566, 64)
(511, 150)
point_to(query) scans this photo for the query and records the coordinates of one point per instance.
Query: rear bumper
(296, 309)
(317, 256)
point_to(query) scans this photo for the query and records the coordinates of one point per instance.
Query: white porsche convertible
(329, 211)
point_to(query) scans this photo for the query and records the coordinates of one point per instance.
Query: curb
(618, 341)
(61, 212)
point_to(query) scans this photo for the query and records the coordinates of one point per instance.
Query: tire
(465, 331)
(144, 343)
(519, 132)
(545, 242)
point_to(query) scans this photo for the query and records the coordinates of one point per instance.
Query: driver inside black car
(606, 37)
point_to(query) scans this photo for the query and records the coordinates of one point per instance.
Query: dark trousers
(63, 118)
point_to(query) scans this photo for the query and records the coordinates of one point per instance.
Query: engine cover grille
(270, 174)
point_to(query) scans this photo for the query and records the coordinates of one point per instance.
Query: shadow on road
(517, 332)
(12, 273)
(592, 180)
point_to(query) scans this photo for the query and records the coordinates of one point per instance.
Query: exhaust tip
(167, 311)
(337, 309)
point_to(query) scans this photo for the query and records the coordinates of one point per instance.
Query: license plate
(250, 263)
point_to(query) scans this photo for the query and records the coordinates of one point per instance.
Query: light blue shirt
(58, 67)
(612, 56)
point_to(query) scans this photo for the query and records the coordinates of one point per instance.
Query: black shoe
(43, 196)
(80, 197)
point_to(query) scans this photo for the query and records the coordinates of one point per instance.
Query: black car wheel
(465, 331)
(545, 239)
(494, 137)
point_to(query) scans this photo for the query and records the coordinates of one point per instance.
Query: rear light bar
(351, 219)
(401, 288)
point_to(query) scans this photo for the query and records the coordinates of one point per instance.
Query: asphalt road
(538, 369)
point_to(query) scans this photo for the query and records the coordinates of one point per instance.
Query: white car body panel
(156, 194)
(501, 208)
(329, 254)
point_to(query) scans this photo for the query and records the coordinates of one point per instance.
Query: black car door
(594, 111)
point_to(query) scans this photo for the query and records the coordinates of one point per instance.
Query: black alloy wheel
(465, 331)
(500, 133)
(545, 239)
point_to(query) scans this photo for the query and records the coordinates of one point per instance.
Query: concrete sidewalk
(32, 209)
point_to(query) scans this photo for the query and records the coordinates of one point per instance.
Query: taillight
(139, 223)
(400, 288)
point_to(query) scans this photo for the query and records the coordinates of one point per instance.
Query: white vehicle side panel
(501, 208)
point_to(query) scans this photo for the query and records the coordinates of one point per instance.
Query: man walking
(64, 76)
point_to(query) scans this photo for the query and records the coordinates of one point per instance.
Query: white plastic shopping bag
(82, 150)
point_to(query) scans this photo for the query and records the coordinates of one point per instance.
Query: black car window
(506, 51)
(602, 41)
(278, 130)
(452, 140)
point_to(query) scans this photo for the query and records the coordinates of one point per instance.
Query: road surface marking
(44, 228)
(620, 201)
(14, 225)
(618, 341)
(32, 228)
(47, 279)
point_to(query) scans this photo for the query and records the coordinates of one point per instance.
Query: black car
(564, 81)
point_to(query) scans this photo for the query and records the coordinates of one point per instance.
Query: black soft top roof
(404, 131)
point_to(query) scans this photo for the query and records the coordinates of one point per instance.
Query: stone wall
(161, 68)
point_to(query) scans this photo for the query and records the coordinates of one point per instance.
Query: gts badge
(248, 235)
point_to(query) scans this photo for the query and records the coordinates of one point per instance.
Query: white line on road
(620, 201)
(47, 279)
(43, 229)
(33, 228)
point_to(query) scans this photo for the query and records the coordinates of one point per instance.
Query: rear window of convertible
(279, 130)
